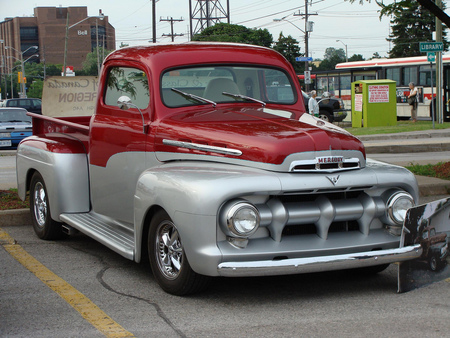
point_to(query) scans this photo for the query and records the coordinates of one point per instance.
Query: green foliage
(288, 47)
(356, 57)
(331, 58)
(224, 32)
(411, 24)
(91, 65)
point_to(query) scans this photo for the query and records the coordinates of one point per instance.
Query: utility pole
(172, 20)
(308, 28)
(154, 20)
(439, 72)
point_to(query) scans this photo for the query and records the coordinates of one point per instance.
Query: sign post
(431, 48)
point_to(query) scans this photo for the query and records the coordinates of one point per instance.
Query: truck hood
(258, 136)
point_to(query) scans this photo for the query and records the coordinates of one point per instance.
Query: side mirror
(124, 103)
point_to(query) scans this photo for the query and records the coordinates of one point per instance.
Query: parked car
(31, 105)
(15, 125)
(331, 109)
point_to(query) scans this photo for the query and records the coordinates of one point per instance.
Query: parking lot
(315, 305)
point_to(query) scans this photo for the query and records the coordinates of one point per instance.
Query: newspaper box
(374, 103)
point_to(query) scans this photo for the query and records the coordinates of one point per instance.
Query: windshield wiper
(248, 98)
(194, 97)
(16, 121)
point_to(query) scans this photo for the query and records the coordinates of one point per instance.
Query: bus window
(425, 76)
(346, 82)
(393, 74)
(409, 75)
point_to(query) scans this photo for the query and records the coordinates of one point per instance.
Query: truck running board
(109, 233)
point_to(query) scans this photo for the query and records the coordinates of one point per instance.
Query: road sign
(431, 47)
(431, 56)
(303, 58)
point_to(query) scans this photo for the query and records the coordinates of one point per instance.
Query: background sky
(357, 26)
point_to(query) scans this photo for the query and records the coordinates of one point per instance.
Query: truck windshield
(266, 85)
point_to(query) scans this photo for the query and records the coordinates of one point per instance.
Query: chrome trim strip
(202, 147)
(318, 264)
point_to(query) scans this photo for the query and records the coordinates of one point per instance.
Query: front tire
(43, 224)
(168, 260)
(326, 116)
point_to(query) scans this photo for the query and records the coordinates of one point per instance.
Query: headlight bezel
(229, 218)
(393, 202)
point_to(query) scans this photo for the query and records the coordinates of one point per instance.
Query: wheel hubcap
(169, 253)
(40, 204)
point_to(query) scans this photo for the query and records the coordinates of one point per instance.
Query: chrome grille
(329, 164)
(320, 214)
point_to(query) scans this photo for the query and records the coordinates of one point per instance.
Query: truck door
(118, 141)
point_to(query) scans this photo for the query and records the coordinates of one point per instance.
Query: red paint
(260, 136)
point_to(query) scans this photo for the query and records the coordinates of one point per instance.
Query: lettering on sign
(69, 96)
(358, 102)
(378, 94)
(80, 32)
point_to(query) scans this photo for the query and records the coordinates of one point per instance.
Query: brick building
(47, 30)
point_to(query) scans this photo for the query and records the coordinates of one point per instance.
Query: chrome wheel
(43, 224)
(40, 204)
(169, 254)
(168, 260)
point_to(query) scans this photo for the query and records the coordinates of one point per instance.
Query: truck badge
(333, 179)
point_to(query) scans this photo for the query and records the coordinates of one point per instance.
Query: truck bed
(75, 126)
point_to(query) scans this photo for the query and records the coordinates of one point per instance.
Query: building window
(101, 37)
(28, 33)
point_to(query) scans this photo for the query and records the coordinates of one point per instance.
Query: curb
(15, 217)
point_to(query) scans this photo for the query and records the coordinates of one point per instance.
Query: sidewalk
(408, 142)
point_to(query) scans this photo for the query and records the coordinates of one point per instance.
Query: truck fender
(64, 168)
(192, 194)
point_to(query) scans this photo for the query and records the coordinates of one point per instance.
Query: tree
(356, 57)
(288, 47)
(376, 55)
(411, 24)
(331, 58)
(90, 66)
(225, 32)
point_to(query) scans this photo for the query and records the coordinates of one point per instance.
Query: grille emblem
(333, 179)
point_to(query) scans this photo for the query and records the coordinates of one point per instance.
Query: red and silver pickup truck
(194, 159)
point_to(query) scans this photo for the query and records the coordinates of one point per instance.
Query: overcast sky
(357, 26)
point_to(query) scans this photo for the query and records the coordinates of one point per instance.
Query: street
(316, 305)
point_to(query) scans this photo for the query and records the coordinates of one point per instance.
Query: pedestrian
(313, 105)
(412, 100)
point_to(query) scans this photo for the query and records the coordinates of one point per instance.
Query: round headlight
(397, 205)
(243, 219)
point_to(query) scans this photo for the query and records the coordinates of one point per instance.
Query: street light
(306, 40)
(22, 83)
(101, 17)
(346, 54)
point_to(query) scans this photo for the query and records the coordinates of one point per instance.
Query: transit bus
(401, 70)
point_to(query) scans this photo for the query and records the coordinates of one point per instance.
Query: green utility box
(374, 103)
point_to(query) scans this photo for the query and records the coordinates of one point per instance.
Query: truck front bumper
(318, 264)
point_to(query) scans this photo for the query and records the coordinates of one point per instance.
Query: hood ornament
(334, 179)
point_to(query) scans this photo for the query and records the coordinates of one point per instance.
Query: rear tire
(43, 224)
(168, 260)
